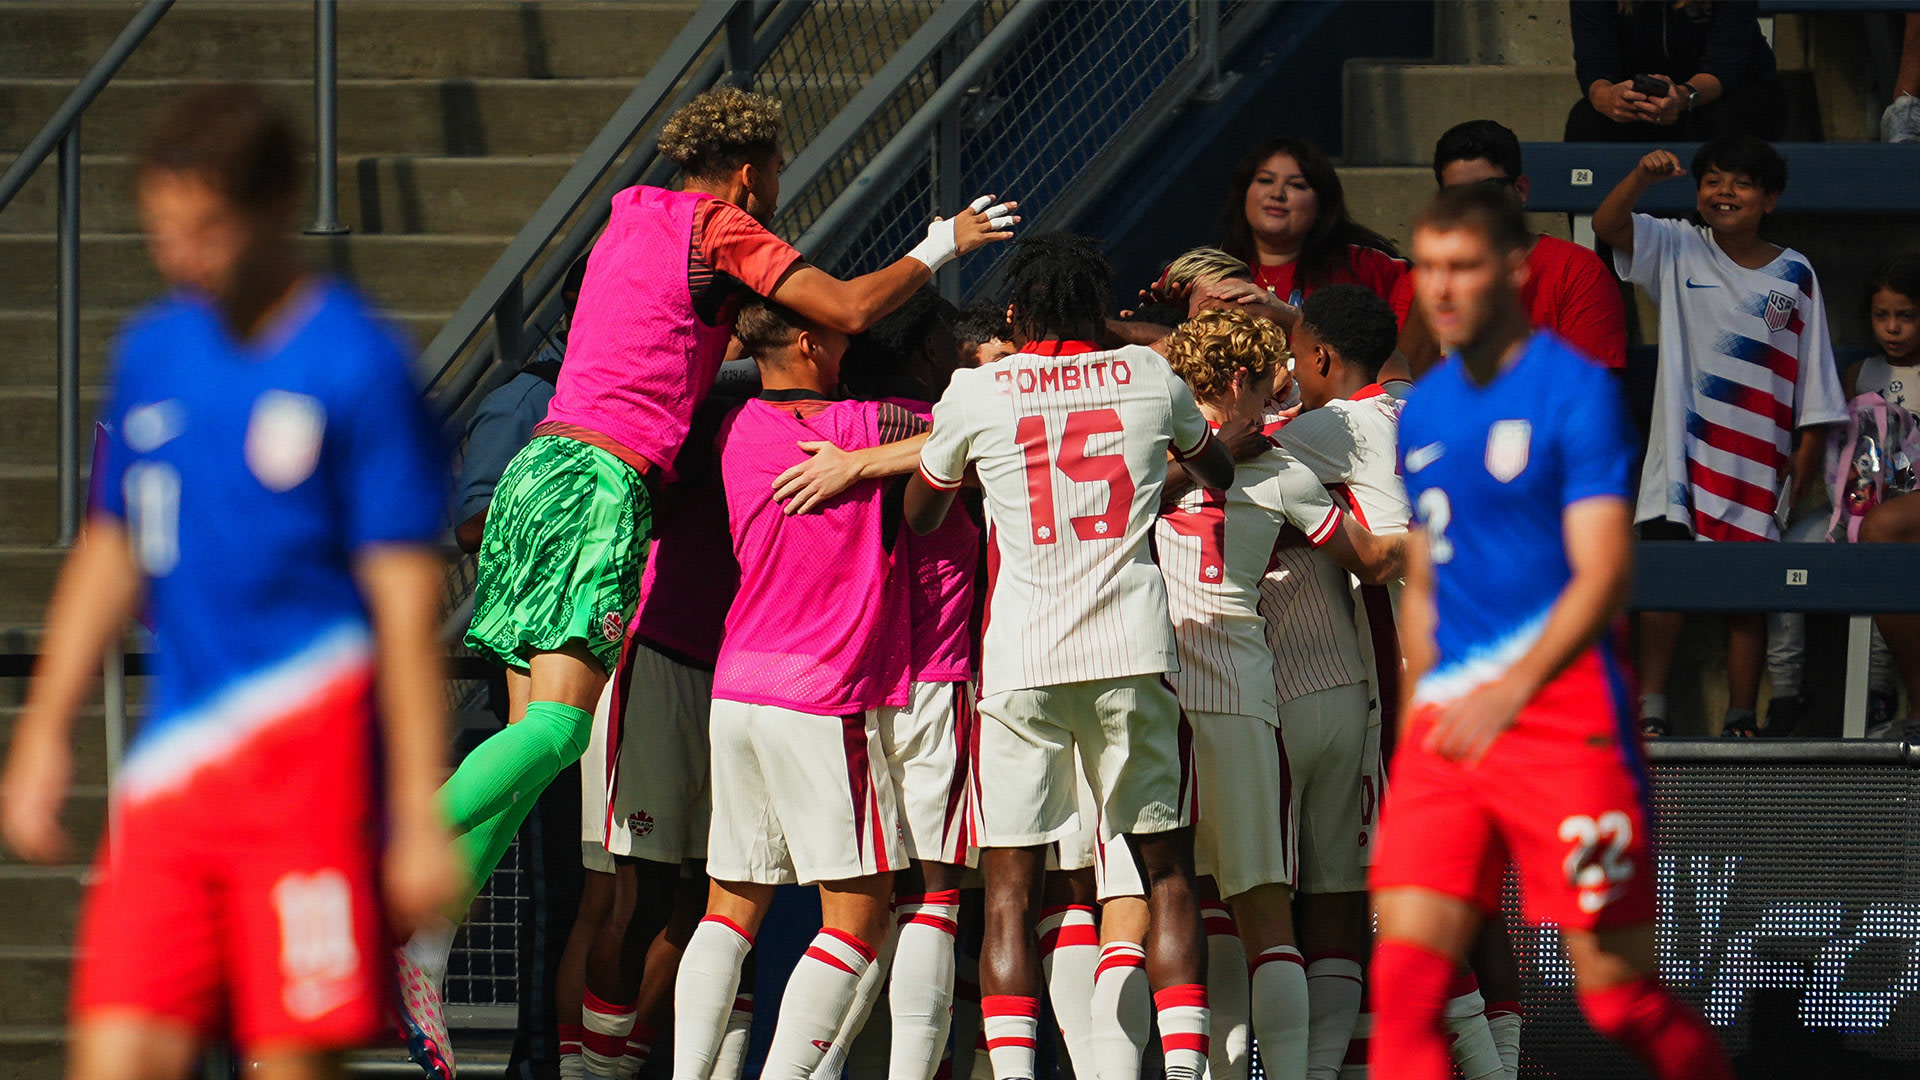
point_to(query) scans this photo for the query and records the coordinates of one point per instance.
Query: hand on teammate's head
(984, 222)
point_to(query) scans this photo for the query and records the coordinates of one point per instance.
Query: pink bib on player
(690, 578)
(820, 622)
(943, 564)
(639, 360)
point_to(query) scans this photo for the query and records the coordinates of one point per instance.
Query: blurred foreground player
(1520, 742)
(271, 496)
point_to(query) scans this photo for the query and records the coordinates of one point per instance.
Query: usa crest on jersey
(1779, 311)
(1507, 444)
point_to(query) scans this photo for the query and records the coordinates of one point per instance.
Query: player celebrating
(1070, 442)
(1520, 739)
(271, 498)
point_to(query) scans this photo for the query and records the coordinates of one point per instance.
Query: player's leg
(1659, 637)
(654, 1005)
(642, 902)
(1622, 996)
(1069, 939)
(1009, 963)
(1229, 985)
(124, 1045)
(1423, 937)
(1176, 950)
(820, 992)
(921, 991)
(1336, 935)
(1121, 1009)
(596, 896)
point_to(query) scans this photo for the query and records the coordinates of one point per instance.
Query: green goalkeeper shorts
(562, 555)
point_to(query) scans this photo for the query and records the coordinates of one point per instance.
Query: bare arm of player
(925, 505)
(853, 305)
(1373, 559)
(830, 470)
(1213, 465)
(1598, 534)
(402, 586)
(98, 590)
(1613, 221)
(1417, 618)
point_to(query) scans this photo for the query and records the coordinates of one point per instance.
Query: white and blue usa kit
(1491, 471)
(249, 476)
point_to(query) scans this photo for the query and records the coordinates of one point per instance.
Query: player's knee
(1626, 1012)
(1165, 858)
(1421, 977)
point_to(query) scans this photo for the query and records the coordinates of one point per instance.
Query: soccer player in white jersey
(1069, 440)
(1214, 545)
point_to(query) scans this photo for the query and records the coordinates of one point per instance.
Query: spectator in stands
(1713, 69)
(1895, 376)
(1745, 366)
(1901, 121)
(1568, 289)
(1286, 218)
(504, 422)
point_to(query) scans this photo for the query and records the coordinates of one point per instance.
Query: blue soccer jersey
(1489, 470)
(248, 476)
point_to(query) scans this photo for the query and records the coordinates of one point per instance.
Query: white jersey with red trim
(1307, 599)
(1070, 445)
(1214, 548)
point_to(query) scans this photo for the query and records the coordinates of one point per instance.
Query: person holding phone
(1654, 70)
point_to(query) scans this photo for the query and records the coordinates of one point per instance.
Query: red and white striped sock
(1184, 1024)
(707, 983)
(1504, 1019)
(920, 990)
(834, 1063)
(1280, 1010)
(1069, 952)
(1010, 1025)
(819, 993)
(604, 1042)
(572, 1064)
(1122, 1011)
(731, 1061)
(1229, 996)
(639, 1048)
(1335, 985)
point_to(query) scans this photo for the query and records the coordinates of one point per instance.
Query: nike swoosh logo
(1691, 285)
(1422, 456)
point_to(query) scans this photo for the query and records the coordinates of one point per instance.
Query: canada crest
(640, 823)
(1508, 442)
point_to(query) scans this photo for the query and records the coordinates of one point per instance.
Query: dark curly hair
(1325, 249)
(1059, 283)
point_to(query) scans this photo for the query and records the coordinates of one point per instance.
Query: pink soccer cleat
(422, 1020)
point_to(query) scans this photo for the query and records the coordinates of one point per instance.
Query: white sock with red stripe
(819, 993)
(921, 990)
(703, 991)
(1335, 985)
(639, 1048)
(572, 1065)
(1229, 996)
(1184, 1023)
(1281, 1010)
(1504, 1019)
(868, 992)
(1122, 1011)
(731, 1061)
(604, 1042)
(1467, 1031)
(1010, 1027)
(1069, 952)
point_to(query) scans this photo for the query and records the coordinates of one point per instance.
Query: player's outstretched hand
(422, 875)
(983, 222)
(827, 472)
(1468, 725)
(31, 792)
(1661, 165)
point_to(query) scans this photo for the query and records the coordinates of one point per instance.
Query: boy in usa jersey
(1519, 742)
(270, 497)
(1070, 441)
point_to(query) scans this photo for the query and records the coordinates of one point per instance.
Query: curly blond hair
(1204, 266)
(721, 130)
(1211, 346)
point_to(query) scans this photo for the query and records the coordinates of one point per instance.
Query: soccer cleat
(422, 1020)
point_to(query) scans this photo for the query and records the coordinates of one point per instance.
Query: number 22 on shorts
(1078, 466)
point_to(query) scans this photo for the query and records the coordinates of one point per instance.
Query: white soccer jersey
(1306, 598)
(1214, 548)
(1070, 444)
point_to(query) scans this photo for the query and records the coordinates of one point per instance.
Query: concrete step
(27, 567)
(28, 351)
(36, 978)
(375, 39)
(419, 273)
(451, 117)
(1395, 111)
(89, 754)
(33, 1052)
(1386, 198)
(29, 424)
(42, 903)
(378, 194)
(1502, 32)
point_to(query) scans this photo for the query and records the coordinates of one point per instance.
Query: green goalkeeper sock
(513, 766)
(482, 847)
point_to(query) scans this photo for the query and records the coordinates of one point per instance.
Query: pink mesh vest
(690, 577)
(943, 565)
(639, 360)
(819, 624)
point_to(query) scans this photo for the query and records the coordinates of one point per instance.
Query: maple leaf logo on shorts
(610, 626)
(640, 823)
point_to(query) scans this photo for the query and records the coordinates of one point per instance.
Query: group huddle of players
(1081, 616)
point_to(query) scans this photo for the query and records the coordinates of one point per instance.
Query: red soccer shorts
(1561, 794)
(241, 893)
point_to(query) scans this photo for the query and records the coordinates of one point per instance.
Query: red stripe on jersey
(1739, 443)
(1731, 488)
(1353, 505)
(1058, 348)
(1325, 531)
(937, 483)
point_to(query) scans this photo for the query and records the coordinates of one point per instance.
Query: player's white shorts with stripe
(1115, 873)
(799, 798)
(1334, 753)
(593, 791)
(1079, 848)
(662, 808)
(929, 744)
(1135, 749)
(1246, 833)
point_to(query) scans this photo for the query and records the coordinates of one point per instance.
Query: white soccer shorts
(1333, 750)
(1246, 835)
(662, 809)
(593, 791)
(1115, 874)
(1079, 848)
(799, 798)
(1135, 750)
(928, 743)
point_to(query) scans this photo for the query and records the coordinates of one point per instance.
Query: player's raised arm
(1368, 556)
(853, 305)
(98, 590)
